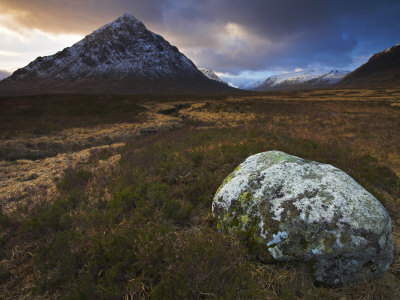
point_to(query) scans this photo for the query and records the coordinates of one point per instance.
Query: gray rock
(288, 208)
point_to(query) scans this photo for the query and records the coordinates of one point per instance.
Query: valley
(129, 172)
(77, 180)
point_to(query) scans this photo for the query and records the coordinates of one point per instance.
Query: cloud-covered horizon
(231, 36)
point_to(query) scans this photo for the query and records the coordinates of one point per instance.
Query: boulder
(288, 208)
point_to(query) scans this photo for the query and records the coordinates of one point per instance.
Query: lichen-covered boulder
(288, 208)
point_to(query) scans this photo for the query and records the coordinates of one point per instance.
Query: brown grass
(344, 127)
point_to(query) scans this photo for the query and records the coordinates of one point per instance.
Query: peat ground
(110, 196)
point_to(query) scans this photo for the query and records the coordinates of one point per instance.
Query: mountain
(211, 75)
(251, 85)
(327, 80)
(303, 80)
(4, 74)
(381, 70)
(121, 57)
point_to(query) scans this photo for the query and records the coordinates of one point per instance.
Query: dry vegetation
(92, 219)
(25, 183)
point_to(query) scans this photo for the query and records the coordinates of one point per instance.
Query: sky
(242, 40)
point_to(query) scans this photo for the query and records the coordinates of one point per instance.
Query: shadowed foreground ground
(110, 197)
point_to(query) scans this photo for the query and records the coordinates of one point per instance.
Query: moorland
(106, 196)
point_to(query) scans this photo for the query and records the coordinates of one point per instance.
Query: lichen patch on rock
(298, 209)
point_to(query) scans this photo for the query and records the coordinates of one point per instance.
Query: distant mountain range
(381, 70)
(302, 80)
(251, 85)
(124, 57)
(211, 75)
(120, 57)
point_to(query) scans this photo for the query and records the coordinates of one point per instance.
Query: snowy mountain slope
(120, 57)
(252, 85)
(307, 79)
(300, 76)
(211, 75)
(328, 80)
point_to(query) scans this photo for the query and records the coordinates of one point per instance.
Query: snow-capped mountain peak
(119, 49)
(210, 74)
(122, 56)
(126, 19)
(306, 79)
(300, 76)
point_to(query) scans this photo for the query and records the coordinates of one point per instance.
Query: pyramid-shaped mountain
(121, 57)
(381, 70)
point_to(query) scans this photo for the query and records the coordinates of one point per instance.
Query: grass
(147, 230)
(155, 238)
(49, 114)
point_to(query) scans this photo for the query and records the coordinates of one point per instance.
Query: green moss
(239, 214)
(227, 179)
(277, 157)
(344, 238)
(243, 197)
(219, 227)
(329, 242)
(244, 219)
(234, 222)
(304, 244)
(246, 227)
(237, 169)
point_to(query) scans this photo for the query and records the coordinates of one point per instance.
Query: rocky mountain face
(381, 70)
(303, 80)
(120, 57)
(210, 74)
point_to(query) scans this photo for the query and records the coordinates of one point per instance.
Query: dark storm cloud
(77, 16)
(289, 34)
(235, 35)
